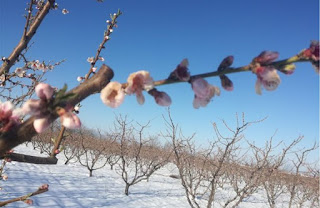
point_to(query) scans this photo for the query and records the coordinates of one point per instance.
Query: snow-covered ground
(70, 186)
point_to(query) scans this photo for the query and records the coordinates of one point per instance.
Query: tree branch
(42, 189)
(26, 37)
(26, 131)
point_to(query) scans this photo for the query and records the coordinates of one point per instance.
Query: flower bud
(160, 97)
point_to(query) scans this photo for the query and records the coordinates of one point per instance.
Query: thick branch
(26, 131)
(32, 159)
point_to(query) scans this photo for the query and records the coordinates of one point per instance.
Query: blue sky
(157, 35)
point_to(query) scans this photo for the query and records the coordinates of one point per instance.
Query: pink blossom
(35, 64)
(4, 177)
(19, 72)
(77, 107)
(90, 60)
(112, 95)
(32, 107)
(79, 79)
(9, 117)
(42, 66)
(65, 11)
(38, 107)
(70, 120)
(2, 78)
(41, 124)
(101, 58)
(266, 57)
(268, 78)
(160, 97)
(137, 82)
(44, 187)
(181, 72)
(28, 201)
(203, 92)
(313, 53)
(44, 91)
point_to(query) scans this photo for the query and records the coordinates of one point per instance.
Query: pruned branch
(25, 131)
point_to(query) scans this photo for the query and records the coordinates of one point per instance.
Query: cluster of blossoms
(91, 59)
(37, 65)
(40, 109)
(34, 65)
(267, 75)
(111, 24)
(113, 94)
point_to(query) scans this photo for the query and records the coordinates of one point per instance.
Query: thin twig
(23, 198)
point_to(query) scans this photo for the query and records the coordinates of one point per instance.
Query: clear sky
(156, 35)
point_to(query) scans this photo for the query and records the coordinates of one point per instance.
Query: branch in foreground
(31, 159)
(26, 131)
(41, 189)
(230, 70)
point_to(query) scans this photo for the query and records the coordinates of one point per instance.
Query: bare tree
(293, 183)
(71, 145)
(111, 152)
(202, 172)
(273, 181)
(137, 162)
(91, 151)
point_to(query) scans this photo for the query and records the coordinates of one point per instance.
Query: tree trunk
(90, 172)
(126, 191)
(211, 196)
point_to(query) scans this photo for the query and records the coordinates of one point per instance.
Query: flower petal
(112, 95)
(70, 120)
(41, 124)
(44, 91)
(258, 87)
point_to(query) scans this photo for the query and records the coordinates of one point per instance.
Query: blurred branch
(277, 64)
(41, 189)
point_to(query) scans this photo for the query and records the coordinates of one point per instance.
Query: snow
(70, 186)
